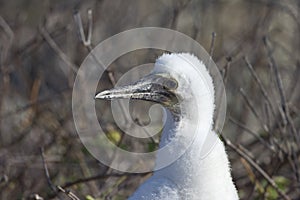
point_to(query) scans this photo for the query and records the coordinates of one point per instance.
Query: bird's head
(176, 79)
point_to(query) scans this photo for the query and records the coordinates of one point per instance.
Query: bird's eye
(171, 83)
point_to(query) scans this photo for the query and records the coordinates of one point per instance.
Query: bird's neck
(202, 171)
(194, 121)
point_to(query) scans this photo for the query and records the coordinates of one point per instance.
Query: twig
(176, 13)
(7, 29)
(267, 114)
(51, 185)
(287, 117)
(294, 81)
(252, 176)
(225, 69)
(253, 110)
(112, 79)
(87, 41)
(212, 44)
(37, 101)
(34, 43)
(55, 47)
(269, 146)
(278, 81)
(54, 188)
(68, 193)
(248, 102)
(100, 176)
(284, 105)
(262, 88)
(4, 53)
(256, 166)
(260, 139)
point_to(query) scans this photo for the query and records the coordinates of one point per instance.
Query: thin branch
(87, 41)
(212, 44)
(252, 176)
(262, 88)
(100, 176)
(37, 101)
(68, 193)
(256, 166)
(278, 78)
(260, 139)
(51, 185)
(4, 51)
(248, 102)
(55, 189)
(267, 114)
(294, 81)
(253, 110)
(57, 50)
(7, 29)
(88, 45)
(225, 69)
(287, 116)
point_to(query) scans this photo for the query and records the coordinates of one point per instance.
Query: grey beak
(157, 88)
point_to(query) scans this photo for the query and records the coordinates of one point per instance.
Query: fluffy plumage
(200, 173)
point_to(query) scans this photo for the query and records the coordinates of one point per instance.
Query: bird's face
(156, 87)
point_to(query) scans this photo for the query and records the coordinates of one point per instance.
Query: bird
(181, 83)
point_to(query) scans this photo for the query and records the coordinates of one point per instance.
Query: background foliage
(256, 47)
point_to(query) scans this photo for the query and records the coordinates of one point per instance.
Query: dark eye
(171, 83)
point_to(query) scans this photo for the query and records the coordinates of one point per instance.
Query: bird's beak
(158, 88)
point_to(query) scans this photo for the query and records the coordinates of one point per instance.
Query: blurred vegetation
(40, 52)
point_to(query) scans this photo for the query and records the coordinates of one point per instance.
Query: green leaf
(89, 197)
(114, 136)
